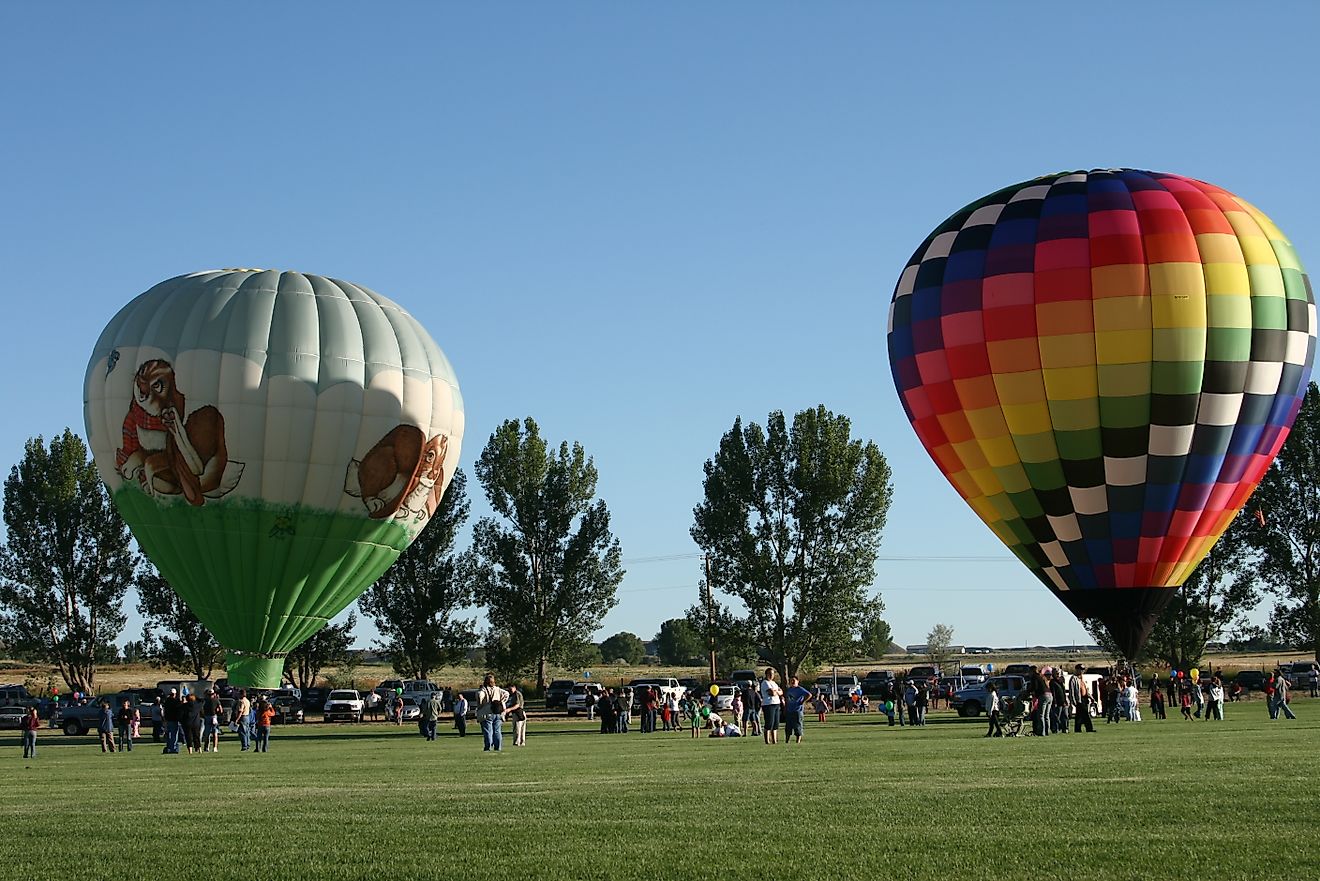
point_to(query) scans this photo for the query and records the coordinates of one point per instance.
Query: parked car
(314, 698)
(81, 718)
(924, 671)
(1298, 674)
(973, 699)
(419, 689)
(728, 688)
(16, 696)
(557, 692)
(973, 673)
(12, 717)
(577, 698)
(343, 705)
(744, 677)
(840, 689)
(1250, 680)
(1023, 670)
(470, 695)
(288, 709)
(411, 710)
(877, 682)
(693, 685)
(226, 714)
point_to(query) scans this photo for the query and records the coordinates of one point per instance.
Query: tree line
(803, 507)
(789, 524)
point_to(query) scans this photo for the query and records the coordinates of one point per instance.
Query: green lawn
(856, 799)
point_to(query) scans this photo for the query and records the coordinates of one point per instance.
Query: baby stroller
(1012, 713)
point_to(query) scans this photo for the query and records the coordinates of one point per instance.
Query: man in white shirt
(491, 703)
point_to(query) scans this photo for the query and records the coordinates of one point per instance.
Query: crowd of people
(1053, 701)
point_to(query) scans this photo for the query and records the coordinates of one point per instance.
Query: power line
(886, 558)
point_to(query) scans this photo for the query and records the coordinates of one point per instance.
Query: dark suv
(556, 694)
(1250, 680)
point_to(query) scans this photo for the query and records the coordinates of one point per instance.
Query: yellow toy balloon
(714, 690)
(1196, 674)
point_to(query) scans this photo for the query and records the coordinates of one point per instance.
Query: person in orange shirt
(265, 714)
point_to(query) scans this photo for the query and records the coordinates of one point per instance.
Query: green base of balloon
(249, 671)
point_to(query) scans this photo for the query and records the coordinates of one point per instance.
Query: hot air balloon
(1104, 364)
(274, 440)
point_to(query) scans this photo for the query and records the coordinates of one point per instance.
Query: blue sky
(631, 222)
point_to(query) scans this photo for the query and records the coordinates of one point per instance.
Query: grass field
(856, 799)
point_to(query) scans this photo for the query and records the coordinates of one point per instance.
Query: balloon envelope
(1104, 364)
(274, 440)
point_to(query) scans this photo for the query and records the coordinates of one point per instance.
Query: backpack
(496, 702)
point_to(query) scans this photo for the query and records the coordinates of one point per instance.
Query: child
(1185, 698)
(697, 718)
(1157, 703)
(821, 706)
(31, 722)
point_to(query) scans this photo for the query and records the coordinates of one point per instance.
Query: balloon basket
(253, 671)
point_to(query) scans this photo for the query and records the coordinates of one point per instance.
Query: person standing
(671, 711)
(1046, 702)
(795, 707)
(491, 700)
(432, 709)
(243, 709)
(996, 728)
(29, 725)
(192, 724)
(1314, 679)
(1281, 697)
(460, 714)
(604, 709)
(518, 715)
(1059, 694)
(772, 699)
(922, 702)
(172, 713)
(265, 715)
(105, 726)
(396, 706)
(751, 721)
(1157, 703)
(1215, 708)
(211, 722)
(1079, 695)
(157, 712)
(124, 726)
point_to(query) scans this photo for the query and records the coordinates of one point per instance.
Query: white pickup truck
(344, 704)
(664, 685)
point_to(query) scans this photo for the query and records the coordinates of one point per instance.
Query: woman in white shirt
(772, 699)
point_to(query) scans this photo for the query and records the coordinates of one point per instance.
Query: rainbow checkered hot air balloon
(1104, 364)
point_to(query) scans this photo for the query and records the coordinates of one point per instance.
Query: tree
(135, 651)
(1286, 511)
(678, 642)
(550, 567)
(331, 646)
(791, 524)
(1214, 598)
(67, 562)
(939, 644)
(174, 637)
(415, 603)
(624, 646)
(875, 636)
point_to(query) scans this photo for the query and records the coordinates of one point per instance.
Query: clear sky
(632, 222)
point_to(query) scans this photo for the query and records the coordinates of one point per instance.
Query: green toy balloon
(274, 440)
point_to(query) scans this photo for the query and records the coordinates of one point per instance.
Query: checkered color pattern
(1104, 364)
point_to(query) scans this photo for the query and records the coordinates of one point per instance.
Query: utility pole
(710, 617)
